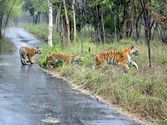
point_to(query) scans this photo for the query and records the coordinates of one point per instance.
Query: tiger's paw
(94, 67)
(136, 66)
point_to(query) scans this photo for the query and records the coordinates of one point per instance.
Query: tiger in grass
(55, 60)
(121, 58)
(27, 53)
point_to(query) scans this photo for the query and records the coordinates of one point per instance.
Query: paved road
(29, 96)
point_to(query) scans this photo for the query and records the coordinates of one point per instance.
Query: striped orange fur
(117, 58)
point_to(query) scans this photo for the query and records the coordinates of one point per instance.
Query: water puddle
(4, 64)
(50, 120)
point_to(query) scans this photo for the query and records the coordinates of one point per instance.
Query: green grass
(5, 46)
(142, 91)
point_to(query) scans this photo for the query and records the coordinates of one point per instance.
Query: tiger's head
(134, 51)
(38, 50)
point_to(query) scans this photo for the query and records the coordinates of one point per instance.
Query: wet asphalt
(30, 96)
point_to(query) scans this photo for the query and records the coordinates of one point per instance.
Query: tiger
(54, 60)
(113, 57)
(27, 53)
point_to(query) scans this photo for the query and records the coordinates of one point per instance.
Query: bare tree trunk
(137, 26)
(2, 9)
(155, 28)
(102, 22)
(98, 23)
(147, 28)
(57, 21)
(61, 23)
(132, 18)
(74, 22)
(67, 21)
(50, 27)
(0, 28)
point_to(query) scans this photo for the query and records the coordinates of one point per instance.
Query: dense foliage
(8, 8)
(116, 19)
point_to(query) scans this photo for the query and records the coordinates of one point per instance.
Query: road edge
(117, 108)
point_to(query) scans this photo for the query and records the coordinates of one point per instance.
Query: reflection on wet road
(28, 96)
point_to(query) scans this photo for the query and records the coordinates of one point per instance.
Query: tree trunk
(147, 28)
(0, 28)
(74, 22)
(137, 28)
(2, 6)
(98, 23)
(57, 21)
(50, 27)
(102, 23)
(67, 21)
(155, 28)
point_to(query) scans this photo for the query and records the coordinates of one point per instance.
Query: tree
(50, 26)
(99, 25)
(147, 27)
(35, 7)
(3, 6)
(66, 21)
(7, 7)
(74, 21)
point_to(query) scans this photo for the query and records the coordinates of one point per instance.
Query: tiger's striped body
(53, 60)
(27, 53)
(117, 58)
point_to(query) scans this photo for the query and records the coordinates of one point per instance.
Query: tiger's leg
(101, 63)
(29, 60)
(102, 66)
(133, 64)
(94, 67)
(23, 59)
(125, 66)
(99, 66)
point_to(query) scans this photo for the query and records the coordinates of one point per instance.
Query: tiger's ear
(37, 47)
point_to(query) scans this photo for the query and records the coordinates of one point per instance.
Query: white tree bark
(50, 26)
(74, 21)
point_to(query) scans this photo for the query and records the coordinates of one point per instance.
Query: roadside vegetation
(6, 46)
(142, 91)
(8, 8)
